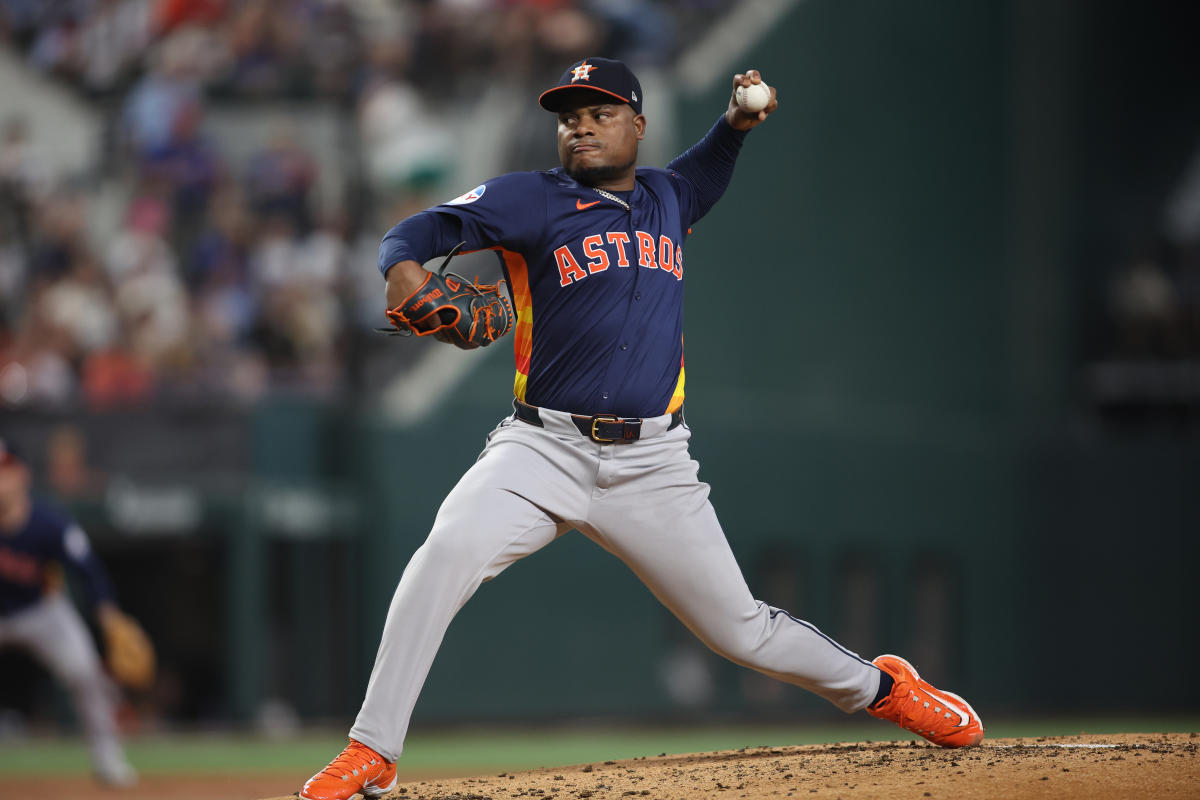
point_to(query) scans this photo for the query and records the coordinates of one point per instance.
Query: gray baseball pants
(640, 501)
(57, 636)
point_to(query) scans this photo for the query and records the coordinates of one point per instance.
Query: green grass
(482, 750)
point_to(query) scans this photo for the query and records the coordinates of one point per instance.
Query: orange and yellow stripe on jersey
(518, 274)
(677, 395)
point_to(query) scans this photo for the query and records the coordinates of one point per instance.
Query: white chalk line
(1069, 746)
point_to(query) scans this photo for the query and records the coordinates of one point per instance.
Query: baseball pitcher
(593, 253)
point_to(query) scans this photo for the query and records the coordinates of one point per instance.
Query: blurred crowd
(334, 48)
(233, 277)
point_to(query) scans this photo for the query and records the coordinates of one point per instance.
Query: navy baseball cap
(603, 75)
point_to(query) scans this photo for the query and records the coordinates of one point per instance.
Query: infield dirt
(1086, 767)
(1092, 767)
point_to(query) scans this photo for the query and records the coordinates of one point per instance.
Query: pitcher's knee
(450, 558)
(733, 644)
(741, 638)
(441, 560)
(443, 547)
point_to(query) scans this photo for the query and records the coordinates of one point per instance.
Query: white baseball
(753, 98)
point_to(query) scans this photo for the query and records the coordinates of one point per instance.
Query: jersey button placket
(635, 275)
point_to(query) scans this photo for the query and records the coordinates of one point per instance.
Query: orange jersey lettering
(568, 268)
(593, 248)
(620, 240)
(646, 246)
(666, 254)
(590, 255)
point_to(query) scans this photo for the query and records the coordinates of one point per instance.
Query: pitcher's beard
(594, 176)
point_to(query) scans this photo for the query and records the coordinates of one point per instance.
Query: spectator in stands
(187, 166)
(224, 241)
(23, 178)
(334, 34)
(140, 244)
(114, 377)
(267, 41)
(35, 368)
(79, 305)
(225, 315)
(110, 43)
(292, 326)
(200, 47)
(53, 42)
(150, 295)
(156, 101)
(58, 235)
(279, 179)
(225, 306)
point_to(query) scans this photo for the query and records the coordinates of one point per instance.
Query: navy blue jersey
(30, 554)
(596, 278)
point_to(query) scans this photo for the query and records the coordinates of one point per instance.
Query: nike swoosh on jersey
(580, 205)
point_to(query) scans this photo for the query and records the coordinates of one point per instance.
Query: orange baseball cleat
(357, 769)
(943, 718)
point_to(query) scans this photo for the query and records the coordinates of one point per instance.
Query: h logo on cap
(580, 73)
(598, 75)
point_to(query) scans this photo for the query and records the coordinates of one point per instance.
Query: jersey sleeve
(508, 211)
(75, 551)
(703, 172)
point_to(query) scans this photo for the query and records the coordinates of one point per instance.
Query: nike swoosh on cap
(580, 205)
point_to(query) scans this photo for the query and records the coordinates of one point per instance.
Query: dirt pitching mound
(1091, 767)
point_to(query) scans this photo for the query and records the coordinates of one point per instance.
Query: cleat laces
(350, 763)
(919, 717)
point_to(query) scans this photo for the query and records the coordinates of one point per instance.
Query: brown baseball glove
(454, 310)
(128, 651)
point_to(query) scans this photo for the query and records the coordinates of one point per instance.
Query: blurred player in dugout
(37, 540)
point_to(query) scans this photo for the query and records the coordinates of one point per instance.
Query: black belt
(602, 428)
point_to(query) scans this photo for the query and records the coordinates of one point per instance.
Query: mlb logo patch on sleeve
(469, 197)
